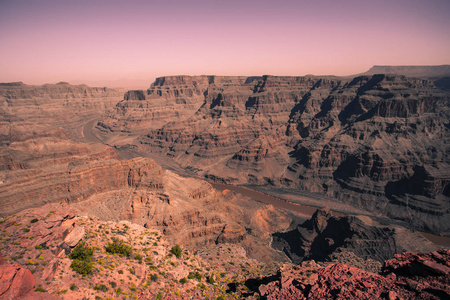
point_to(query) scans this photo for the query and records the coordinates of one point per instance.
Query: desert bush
(138, 257)
(183, 280)
(119, 247)
(83, 267)
(82, 252)
(82, 255)
(154, 277)
(176, 250)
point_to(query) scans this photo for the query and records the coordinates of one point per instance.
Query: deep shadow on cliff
(326, 236)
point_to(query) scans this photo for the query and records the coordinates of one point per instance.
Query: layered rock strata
(377, 142)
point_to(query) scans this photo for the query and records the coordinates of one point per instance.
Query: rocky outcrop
(325, 236)
(339, 281)
(15, 282)
(40, 239)
(18, 283)
(364, 141)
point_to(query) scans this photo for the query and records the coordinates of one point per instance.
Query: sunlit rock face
(379, 142)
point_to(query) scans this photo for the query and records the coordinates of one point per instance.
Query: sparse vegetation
(61, 292)
(40, 289)
(101, 287)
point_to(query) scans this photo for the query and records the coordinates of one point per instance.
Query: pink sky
(132, 42)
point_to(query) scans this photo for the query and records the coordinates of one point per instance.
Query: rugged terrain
(44, 160)
(377, 142)
(56, 251)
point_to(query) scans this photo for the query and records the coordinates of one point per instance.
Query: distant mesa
(411, 71)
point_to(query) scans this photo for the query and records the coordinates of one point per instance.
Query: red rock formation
(400, 279)
(18, 283)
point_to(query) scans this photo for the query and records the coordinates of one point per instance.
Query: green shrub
(113, 284)
(83, 267)
(183, 280)
(119, 247)
(176, 250)
(138, 257)
(198, 276)
(82, 255)
(154, 277)
(73, 287)
(82, 252)
(34, 221)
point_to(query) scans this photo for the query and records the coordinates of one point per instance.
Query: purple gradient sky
(119, 42)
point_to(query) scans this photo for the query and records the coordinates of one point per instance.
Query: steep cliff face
(168, 98)
(380, 143)
(240, 124)
(377, 142)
